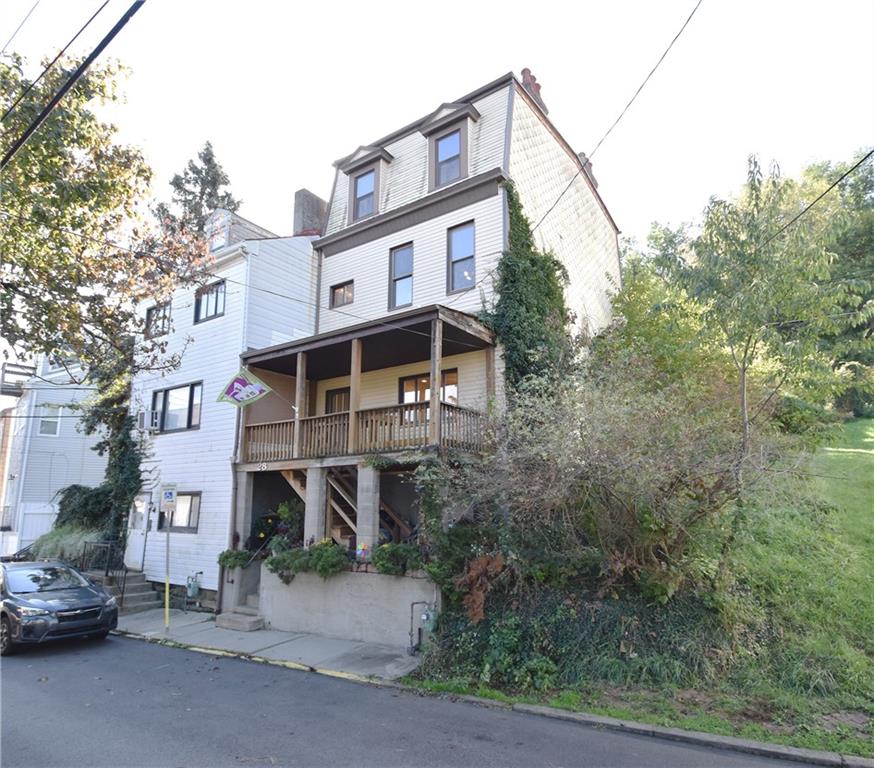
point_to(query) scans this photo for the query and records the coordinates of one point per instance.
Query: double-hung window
(401, 269)
(178, 408)
(447, 158)
(461, 265)
(50, 420)
(364, 194)
(157, 320)
(209, 302)
(417, 389)
(185, 517)
(342, 294)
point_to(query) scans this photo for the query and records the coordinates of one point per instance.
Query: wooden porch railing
(270, 441)
(395, 427)
(324, 435)
(391, 428)
(461, 428)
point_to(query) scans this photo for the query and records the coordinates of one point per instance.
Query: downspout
(318, 254)
(31, 417)
(235, 457)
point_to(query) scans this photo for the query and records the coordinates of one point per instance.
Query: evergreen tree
(197, 192)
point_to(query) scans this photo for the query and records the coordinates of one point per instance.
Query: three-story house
(399, 363)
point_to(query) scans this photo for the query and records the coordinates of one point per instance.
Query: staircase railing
(106, 556)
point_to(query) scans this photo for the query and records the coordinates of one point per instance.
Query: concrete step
(253, 601)
(246, 610)
(139, 608)
(239, 622)
(141, 598)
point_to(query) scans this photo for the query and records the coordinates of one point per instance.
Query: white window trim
(56, 419)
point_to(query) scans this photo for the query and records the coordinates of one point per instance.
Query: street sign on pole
(168, 508)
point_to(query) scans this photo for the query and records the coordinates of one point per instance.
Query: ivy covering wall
(530, 318)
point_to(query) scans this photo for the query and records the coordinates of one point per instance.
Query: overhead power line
(621, 114)
(18, 28)
(835, 183)
(52, 62)
(80, 70)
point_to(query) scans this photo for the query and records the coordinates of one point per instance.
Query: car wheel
(6, 646)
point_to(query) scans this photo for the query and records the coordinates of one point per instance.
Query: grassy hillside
(804, 671)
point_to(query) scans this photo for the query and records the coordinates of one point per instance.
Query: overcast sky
(282, 89)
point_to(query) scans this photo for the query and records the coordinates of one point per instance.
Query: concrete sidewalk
(315, 651)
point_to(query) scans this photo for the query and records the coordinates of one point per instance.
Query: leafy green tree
(197, 192)
(71, 195)
(770, 297)
(853, 344)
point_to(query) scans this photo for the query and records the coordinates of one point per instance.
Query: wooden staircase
(342, 507)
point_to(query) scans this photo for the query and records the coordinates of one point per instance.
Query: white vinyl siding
(577, 231)
(368, 265)
(269, 299)
(405, 178)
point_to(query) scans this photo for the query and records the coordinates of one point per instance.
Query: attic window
(448, 155)
(364, 194)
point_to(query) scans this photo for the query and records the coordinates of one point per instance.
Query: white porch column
(315, 509)
(368, 507)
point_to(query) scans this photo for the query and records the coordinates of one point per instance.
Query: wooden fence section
(461, 428)
(270, 441)
(393, 428)
(324, 435)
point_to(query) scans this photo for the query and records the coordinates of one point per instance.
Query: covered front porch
(367, 389)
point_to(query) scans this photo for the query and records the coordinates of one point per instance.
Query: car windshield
(42, 578)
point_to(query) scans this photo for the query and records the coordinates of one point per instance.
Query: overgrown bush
(603, 475)
(812, 422)
(396, 559)
(63, 542)
(81, 506)
(325, 558)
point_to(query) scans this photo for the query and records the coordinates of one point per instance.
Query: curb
(698, 738)
(733, 743)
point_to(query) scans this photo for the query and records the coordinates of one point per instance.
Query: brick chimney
(530, 84)
(587, 169)
(310, 213)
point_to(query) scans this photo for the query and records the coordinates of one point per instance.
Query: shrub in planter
(396, 559)
(325, 558)
(234, 558)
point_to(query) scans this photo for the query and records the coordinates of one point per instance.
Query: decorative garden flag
(243, 389)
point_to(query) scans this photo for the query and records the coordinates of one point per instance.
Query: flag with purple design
(243, 389)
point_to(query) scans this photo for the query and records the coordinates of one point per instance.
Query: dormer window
(364, 194)
(448, 158)
(447, 133)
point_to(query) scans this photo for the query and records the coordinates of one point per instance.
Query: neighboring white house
(262, 293)
(42, 451)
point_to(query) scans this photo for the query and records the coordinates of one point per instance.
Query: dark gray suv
(44, 601)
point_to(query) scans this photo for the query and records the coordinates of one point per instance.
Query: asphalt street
(122, 702)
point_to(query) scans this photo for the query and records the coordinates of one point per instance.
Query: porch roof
(399, 339)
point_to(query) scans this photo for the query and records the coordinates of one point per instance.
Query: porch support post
(354, 395)
(300, 400)
(242, 436)
(233, 587)
(490, 373)
(436, 380)
(368, 508)
(315, 512)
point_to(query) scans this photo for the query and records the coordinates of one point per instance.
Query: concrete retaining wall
(368, 607)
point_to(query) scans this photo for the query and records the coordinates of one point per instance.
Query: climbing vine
(530, 317)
